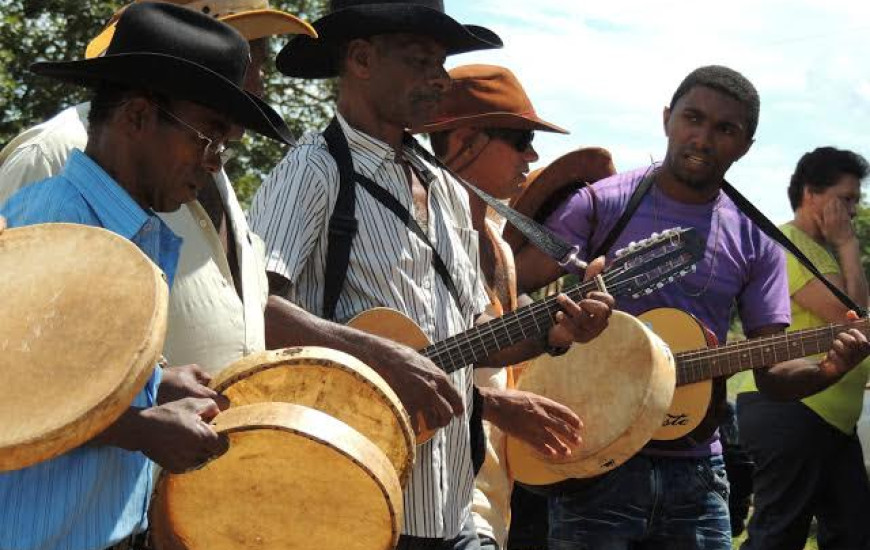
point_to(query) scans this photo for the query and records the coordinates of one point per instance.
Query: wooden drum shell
(333, 382)
(620, 385)
(83, 324)
(293, 478)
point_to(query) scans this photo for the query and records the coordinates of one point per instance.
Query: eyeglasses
(520, 140)
(213, 148)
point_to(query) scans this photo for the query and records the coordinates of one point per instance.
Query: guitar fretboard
(479, 342)
(700, 365)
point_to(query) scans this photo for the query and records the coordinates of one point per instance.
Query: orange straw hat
(252, 18)
(486, 96)
(546, 188)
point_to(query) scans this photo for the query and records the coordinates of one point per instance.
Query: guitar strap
(753, 213)
(633, 203)
(548, 242)
(774, 233)
(343, 224)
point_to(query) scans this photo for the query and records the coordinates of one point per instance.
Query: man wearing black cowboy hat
(168, 93)
(389, 57)
(216, 303)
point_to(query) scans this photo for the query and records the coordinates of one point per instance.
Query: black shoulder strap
(774, 233)
(633, 203)
(342, 223)
(392, 204)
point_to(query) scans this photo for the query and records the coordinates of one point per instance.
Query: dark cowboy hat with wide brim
(304, 57)
(547, 188)
(182, 54)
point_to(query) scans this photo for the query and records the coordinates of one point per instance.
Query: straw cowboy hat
(182, 54)
(546, 188)
(304, 57)
(486, 96)
(252, 18)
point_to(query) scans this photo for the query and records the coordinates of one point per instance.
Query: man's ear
(135, 115)
(358, 58)
(746, 149)
(666, 117)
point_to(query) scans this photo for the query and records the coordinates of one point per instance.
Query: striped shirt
(93, 496)
(389, 267)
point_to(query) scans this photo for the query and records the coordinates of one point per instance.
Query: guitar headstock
(646, 266)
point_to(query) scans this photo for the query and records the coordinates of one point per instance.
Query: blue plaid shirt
(91, 497)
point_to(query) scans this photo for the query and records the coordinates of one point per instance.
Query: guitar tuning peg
(648, 291)
(619, 253)
(660, 285)
(694, 268)
(654, 235)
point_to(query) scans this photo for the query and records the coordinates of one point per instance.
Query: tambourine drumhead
(82, 325)
(293, 478)
(333, 382)
(620, 385)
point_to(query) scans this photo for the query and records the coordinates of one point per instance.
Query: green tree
(39, 30)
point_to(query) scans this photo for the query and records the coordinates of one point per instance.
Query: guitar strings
(516, 325)
(692, 361)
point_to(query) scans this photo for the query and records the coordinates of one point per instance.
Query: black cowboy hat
(303, 57)
(179, 53)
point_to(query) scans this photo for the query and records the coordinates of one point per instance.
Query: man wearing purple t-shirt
(676, 496)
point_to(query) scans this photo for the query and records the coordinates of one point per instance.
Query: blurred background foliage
(53, 30)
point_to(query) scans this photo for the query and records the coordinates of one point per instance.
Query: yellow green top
(840, 404)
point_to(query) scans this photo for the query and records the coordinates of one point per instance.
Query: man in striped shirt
(391, 78)
(149, 149)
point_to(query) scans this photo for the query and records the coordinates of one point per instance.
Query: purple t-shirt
(747, 267)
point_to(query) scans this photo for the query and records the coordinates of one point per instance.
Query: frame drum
(330, 381)
(84, 318)
(293, 478)
(620, 384)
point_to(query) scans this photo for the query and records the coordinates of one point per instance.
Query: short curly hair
(821, 169)
(729, 82)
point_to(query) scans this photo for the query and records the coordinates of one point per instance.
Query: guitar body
(682, 332)
(398, 327)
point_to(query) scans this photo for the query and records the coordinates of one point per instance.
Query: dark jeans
(647, 503)
(467, 540)
(804, 467)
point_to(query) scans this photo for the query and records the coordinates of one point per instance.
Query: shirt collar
(376, 150)
(115, 208)
(364, 144)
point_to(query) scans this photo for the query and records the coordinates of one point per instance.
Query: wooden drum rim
(301, 421)
(348, 364)
(146, 340)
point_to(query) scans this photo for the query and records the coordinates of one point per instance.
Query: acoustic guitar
(697, 363)
(638, 269)
(646, 378)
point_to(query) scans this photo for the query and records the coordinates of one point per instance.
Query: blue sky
(605, 70)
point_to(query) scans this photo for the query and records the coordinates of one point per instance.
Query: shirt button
(202, 223)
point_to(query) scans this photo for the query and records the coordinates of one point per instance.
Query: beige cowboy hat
(546, 188)
(252, 18)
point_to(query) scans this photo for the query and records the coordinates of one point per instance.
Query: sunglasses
(520, 140)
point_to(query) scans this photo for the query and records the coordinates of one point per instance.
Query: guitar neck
(706, 364)
(481, 341)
